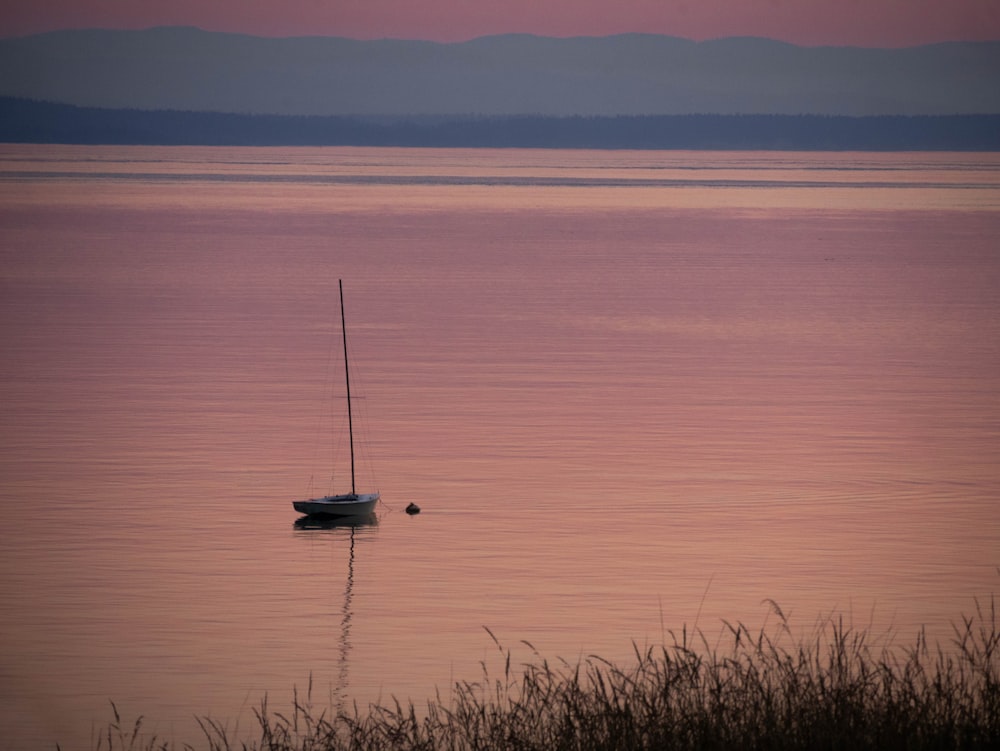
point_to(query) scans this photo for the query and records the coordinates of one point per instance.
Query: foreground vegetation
(834, 690)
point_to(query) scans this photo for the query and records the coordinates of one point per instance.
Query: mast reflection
(341, 527)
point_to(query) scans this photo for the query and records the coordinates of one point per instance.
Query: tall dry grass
(837, 689)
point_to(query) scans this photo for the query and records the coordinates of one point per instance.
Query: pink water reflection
(625, 404)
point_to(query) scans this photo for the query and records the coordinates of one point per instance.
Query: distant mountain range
(185, 69)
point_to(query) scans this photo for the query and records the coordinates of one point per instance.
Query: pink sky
(874, 23)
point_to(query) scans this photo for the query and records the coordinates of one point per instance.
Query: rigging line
(361, 417)
(328, 393)
(334, 405)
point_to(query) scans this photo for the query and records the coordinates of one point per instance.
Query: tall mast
(347, 380)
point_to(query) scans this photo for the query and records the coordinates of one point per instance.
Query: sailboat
(347, 504)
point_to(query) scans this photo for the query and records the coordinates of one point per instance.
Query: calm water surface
(630, 390)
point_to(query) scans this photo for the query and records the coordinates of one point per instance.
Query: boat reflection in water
(341, 528)
(336, 522)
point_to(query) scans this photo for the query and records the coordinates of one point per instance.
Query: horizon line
(529, 34)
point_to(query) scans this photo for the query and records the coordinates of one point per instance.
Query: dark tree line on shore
(28, 121)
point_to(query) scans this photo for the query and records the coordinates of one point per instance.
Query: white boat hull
(360, 504)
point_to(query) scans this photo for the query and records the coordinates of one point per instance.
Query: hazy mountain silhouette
(634, 74)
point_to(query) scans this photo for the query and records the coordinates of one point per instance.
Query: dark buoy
(413, 509)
